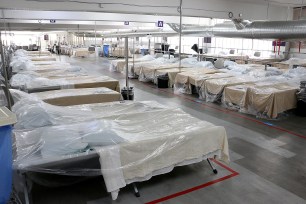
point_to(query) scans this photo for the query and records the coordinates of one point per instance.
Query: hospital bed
(267, 99)
(172, 73)
(40, 84)
(213, 88)
(42, 58)
(119, 65)
(69, 97)
(125, 142)
(185, 80)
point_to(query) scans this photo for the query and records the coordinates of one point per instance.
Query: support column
(127, 66)
(5, 72)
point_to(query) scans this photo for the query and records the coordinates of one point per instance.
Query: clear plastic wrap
(119, 65)
(43, 82)
(195, 76)
(125, 142)
(213, 88)
(270, 101)
(21, 64)
(69, 97)
(20, 80)
(265, 99)
(290, 64)
(147, 71)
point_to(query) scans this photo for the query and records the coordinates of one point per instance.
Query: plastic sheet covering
(69, 97)
(32, 112)
(213, 89)
(5, 163)
(172, 73)
(269, 101)
(19, 80)
(228, 63)
(289, 64)
(21, 64)
(42, 58)
(234, 97)
(39, 84)
(131, 146)
(184, 80)
(298, 73)
(148, 73)
(152, 65)
(266, 99)
(270, 71)
(119, 65)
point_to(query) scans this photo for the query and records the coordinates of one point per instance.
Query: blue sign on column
(160, 24)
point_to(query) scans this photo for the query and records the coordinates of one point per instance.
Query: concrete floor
(268, 158)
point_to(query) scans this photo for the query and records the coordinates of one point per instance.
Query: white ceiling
(136, 11)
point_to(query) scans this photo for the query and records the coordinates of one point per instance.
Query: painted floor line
(169, 197)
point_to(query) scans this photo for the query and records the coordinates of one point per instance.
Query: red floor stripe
(234, 113)
(233, 174)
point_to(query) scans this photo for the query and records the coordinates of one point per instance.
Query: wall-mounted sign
(126, 23)
(52, 21)
(279, 43)
(207, 39)
(46, 37)
(160, 24)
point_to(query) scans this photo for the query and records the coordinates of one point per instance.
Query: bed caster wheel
(215, 171)
(137, 194)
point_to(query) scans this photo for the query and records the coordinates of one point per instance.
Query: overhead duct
(245, 29)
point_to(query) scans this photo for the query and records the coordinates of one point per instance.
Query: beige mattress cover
(197, 78)
(69, 97)
(172, 73)
(81, 52)
(120, 64)
(38, 52)
(149, 69)
(80, 82)
(216, 86)
(119, 52)
(44, 58)
(263, 60)
(229, 56)
(273, 99)
(51, 68)
(269, 99)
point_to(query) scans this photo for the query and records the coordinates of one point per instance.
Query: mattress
(80, 52)
(214, 87)
(131, 147)
(184, 80)
(269, 101)
(263, 100)
(172, 73)
(289, 64)
(119, 52)
(44, 58)
(263, 60)
(75, 82)
(229, 56)
(69, 97)
(38, 53)
(119, 65)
